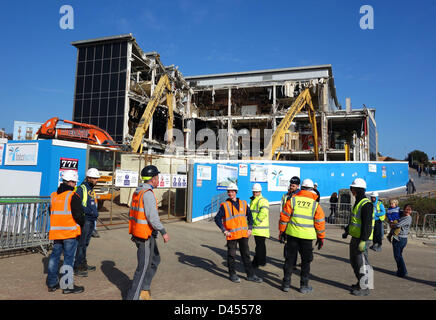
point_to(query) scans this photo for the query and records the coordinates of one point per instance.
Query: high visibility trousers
(148, 261)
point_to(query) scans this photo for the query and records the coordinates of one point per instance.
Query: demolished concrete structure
(115, 80)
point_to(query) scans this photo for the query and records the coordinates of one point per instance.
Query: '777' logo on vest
(302, 203)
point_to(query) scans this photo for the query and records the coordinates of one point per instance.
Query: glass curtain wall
(100, 86)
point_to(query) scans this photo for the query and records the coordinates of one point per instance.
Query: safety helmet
(70, 175)
(295, 180)
(93, 173)
(358, 183)
(374, 194)
(315, 184)
(149, 172)
(256, 187)
(232, 186)
(307, 183)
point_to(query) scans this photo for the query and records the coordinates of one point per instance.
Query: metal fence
(24, 223)
(338, 213)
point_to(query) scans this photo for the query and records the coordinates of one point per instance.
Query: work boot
(76, 289)
(286, 285)
(255, 278)
(355, 286)
(81, 272)
(305, 289)
(378, 248)
(54, 288)
(360, 292)
(373, 247)
(145, 295)
(90, 268)
(95, 234)
(234, 278)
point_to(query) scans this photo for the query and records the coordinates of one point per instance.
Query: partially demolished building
(116, 79)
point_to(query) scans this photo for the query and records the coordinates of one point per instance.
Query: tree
(417, 156)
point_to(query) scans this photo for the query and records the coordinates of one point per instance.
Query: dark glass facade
(101, 86)
(372, 141)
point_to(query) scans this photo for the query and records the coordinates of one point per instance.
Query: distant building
(26, 130)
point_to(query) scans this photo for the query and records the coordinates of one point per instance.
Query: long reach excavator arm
(278, 136)
(141, 129)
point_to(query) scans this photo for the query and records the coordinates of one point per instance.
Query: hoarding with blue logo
(206, 179)
(33, 168)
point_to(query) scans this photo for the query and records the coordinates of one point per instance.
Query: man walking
(379, 217)
(259, 207)
(144, 225)
(66, 219)
(306, 223)
(360, 228)
(86, 193)
(410, 187)
(235, 220)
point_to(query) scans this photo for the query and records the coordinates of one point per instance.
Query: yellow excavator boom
(141, 129)
(279, 135)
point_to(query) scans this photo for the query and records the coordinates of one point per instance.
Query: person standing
(398, 244)
(66, 219)
(361, 229)
(144, 225)
(333, 207)
(379, 217)
(87, 195)
(235, 220)
(259, 207)
(294, 187)
(306, 223)
(315, 189)
(410, 187)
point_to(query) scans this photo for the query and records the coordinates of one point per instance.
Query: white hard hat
(232, 186)
(358, 183)
(315, 184)
(93, 173)
(70, 175)
(256, 187)
(307, 183)
(374, 194)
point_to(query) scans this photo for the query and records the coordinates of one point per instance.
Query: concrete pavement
(194, 267)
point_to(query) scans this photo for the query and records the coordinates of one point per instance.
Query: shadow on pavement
(116, 276)
(203, 263)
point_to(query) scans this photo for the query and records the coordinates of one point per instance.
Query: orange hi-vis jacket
(138, 224)
(235, 221)
(62, 224)
(319, 217)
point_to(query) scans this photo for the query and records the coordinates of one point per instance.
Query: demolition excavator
(303, 99)
(83, 132)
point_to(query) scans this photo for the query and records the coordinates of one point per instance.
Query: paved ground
(193, 268)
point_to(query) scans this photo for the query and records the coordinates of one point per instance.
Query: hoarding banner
(279, 176)
(21, 154)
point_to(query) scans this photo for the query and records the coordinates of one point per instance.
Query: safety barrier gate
(24, 223)
(338, 213)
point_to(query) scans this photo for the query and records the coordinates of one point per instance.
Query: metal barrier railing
(429, 224)
(338, 213)
(24, 223)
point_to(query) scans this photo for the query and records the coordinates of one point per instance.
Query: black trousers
(260, 256)
(378, 232)
(360, 264)
(245, 255)
(293, 247)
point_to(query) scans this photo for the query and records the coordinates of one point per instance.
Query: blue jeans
(84, 239)
(68, 248)
(398, 247)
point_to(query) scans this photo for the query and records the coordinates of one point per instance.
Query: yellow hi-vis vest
(377, 207)
(259, 207)
(301, 225)
(356, 220)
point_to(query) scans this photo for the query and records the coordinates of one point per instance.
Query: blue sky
(391, 68)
